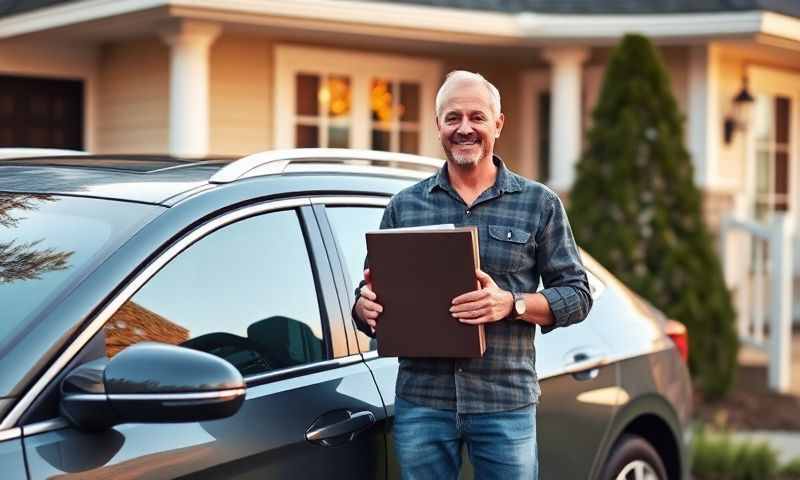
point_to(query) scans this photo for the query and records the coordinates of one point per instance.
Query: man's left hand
(488, 304)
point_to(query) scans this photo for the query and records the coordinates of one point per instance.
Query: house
(201, 77)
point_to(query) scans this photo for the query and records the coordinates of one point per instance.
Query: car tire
(633, 458)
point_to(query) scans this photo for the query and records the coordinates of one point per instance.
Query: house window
(395, 115)
(772, 116)
(335, 98)
(322, 110)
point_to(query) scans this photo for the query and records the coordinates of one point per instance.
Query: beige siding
(676, 59)
(241, 95)
(734, 61)
(134, 97)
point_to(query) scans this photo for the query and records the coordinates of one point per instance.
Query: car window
(349, 225)
(245, 293)
(48, 244)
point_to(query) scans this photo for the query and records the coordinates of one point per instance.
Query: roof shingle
(787, 7)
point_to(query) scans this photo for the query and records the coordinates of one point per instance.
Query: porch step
(752, 356)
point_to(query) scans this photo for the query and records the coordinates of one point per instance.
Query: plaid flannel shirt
(524, 235)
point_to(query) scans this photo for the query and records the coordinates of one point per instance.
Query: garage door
(36, 112)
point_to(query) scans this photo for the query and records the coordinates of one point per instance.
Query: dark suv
(167, 318)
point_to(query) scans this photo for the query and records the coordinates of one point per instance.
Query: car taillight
(680, 336)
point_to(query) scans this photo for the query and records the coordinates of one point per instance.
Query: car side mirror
(151, 383)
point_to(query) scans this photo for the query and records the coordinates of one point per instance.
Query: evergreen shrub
(635, 207)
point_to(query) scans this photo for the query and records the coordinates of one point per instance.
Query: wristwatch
(519, 304)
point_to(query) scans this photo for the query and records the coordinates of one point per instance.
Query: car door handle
(585, 367)
(355, 423)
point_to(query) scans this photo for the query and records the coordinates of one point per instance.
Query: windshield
(48, 243)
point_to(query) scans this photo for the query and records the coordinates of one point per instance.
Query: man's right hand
(367, 307)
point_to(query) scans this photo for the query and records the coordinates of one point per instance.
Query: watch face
(519, 306)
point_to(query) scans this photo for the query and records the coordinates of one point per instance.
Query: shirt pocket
(506, 249)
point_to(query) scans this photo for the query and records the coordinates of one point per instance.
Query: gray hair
(494, 94)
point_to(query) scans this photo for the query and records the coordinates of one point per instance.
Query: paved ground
(786, 442)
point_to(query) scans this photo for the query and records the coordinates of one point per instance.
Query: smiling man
(487, 403)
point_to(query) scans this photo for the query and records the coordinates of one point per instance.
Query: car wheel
(633, 458)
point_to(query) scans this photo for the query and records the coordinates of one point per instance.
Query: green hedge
(718, 456)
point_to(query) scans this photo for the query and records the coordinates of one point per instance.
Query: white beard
(464, 158)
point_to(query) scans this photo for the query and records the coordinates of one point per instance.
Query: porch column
(703, 119)
(565, 113)
(189, 43)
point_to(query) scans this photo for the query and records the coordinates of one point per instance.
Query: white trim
(549, 26)
(474, 25)
(532, 84)
(777, 82)
(356, 200)
(261, 378)
(57, 423)
(10, 434)
(781, 26)
(360, 67)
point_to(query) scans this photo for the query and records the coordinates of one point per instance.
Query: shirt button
(460, 370)
(468, 212)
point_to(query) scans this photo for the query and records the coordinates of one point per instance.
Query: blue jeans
(501, 445)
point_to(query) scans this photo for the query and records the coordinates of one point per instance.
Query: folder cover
(416, 273)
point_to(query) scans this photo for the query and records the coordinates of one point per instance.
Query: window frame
(772, 83)
(336, 255)
(313, 257)
(333, 325)
(361, 68)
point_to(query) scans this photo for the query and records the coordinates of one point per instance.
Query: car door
(579, 393)
(255, 288)
(12, 458)
(347, 219)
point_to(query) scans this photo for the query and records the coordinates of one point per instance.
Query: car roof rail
(37, 152)
(273, 162)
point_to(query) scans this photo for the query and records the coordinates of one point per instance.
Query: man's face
(467, 124)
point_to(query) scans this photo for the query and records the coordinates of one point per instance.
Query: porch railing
(759, 270)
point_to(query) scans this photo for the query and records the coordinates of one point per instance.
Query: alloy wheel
(637, 470)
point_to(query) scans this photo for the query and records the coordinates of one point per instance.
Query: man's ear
(436, 124)
(499, 121)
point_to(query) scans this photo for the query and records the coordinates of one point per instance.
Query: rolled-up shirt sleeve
(566, 286)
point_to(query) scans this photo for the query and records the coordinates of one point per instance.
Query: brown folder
(416, 274)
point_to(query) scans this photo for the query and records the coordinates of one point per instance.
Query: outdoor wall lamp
(737, 119)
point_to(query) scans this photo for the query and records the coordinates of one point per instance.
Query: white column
(780, 355)
(704, 121)
(565, 113)
(189, 43)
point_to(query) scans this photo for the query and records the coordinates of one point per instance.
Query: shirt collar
(504, 182)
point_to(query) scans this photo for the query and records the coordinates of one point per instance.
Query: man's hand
(367, 308)
(488, 304)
